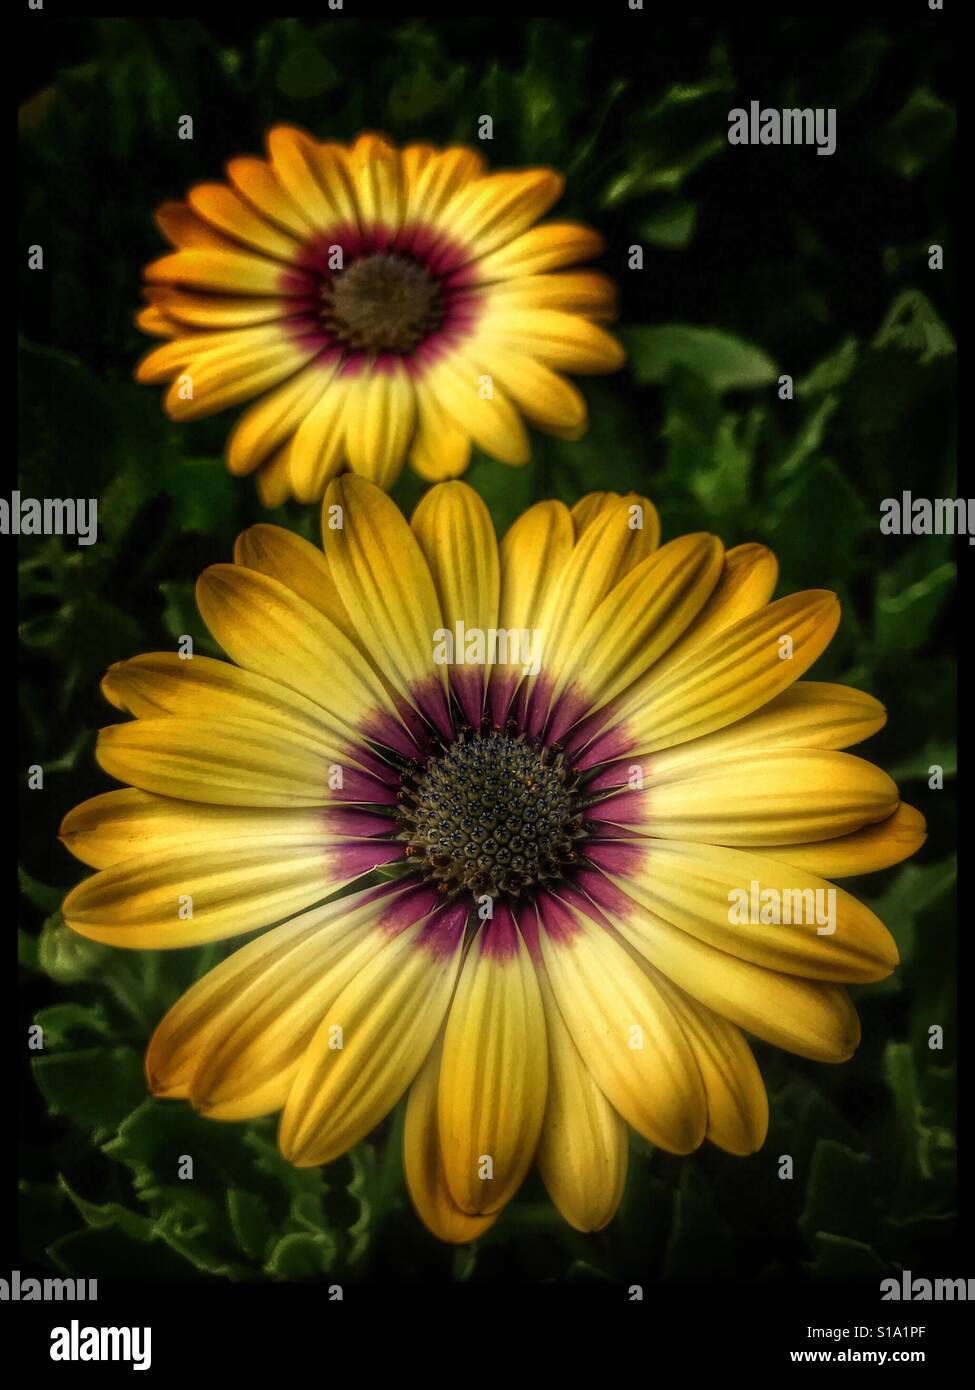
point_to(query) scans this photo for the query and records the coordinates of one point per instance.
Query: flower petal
(388, 591)
(233, 1043)
(494, 1070)
(269, 629)
(423, 1162)
(236, 762)
(456, 534)
(774, 797)
(533, 554)
(753, 907)
(637, 621)
(128, 823)
(864, 852)
(549, 247)
(583, 1147)
(736, 1097)
(742, 668)
(284, 555)
(158, 901)
(380, 420)
(811, 1019)
(388, 1019)
(623, 1028)
(273, 419)
(221, 208)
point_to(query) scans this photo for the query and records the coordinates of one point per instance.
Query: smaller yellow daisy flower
(380, 304)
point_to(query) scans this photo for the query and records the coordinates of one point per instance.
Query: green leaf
(670, 225)
(251, 1223)
(838, 1258)
(66, 956)
(301, 1256)
(913, 325)
(43, 897)
(840, 1192)
(923, 1146)
(903, 617)
(725, 362)
(698, 1233)
(96, 1086)
(920, 133)
(306, 73)
(65, 1023)
(110, 1214)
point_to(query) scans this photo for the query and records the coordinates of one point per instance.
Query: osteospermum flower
(379, 303)
(566, 818)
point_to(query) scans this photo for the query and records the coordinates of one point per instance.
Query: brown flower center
(494, 814)
(382, 303)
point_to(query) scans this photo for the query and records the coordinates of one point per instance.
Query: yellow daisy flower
(380, 303)
(575, 757)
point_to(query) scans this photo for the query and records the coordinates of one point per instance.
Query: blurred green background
(757, 262)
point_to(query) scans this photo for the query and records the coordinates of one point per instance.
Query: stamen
(494, 814)
(382, 303)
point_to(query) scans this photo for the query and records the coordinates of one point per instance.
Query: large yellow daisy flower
(569, 818)
(380, 303)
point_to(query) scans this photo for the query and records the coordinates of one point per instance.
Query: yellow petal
(494, 1071)
(772, 797)
(125, 824)
(567, 342)
(273, 419)
(583, 1147)
(736, 1097)
(202, 688)
(736, 672)
(624, 1030)
(541, 248)
(257, 182)
(217, 311)
(597, 562)
(296, 161)
(487, 212)
(477, 406)
(236, 762)
(810, 714)
(440, 449)
(219, 206)
(380, 192)
(457, 537)
(210, 268)
(754, 907)
(388, 1019)
(380, 419)
(864, 852)
(442, 175)
(813, 1020)
(284, 555)
(183, 228)
(423, 1162)
(747, 583)
(638, 620)
(583, 292)
(544, 397)
(641, 518)
(386, 586)
(158, 901)
(269, 629)
(317, 447)
(233, 1043)
(534, 553)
